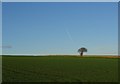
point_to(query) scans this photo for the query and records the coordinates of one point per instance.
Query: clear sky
(60, 28)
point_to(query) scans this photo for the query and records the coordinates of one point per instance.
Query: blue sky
(60, 28)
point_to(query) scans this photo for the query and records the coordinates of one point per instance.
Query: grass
(59, 69)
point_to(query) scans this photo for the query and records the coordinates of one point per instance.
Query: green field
(59, 69)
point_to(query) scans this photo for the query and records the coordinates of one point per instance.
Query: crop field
(59, 69)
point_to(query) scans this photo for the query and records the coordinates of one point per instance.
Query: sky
(0, 28)
(47, 28)
(60, 0)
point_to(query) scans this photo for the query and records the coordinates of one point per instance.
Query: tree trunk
(81, 54)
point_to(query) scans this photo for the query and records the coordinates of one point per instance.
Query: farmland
(59, 69)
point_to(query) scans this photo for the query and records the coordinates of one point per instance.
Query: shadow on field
(60, 83)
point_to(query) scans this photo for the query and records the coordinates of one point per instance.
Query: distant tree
(81, 50)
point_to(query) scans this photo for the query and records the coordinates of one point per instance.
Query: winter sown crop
(59, 69)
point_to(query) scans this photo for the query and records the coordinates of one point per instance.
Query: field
(59, 69)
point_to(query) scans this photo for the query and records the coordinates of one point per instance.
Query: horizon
(60, 28)
(59, 55)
